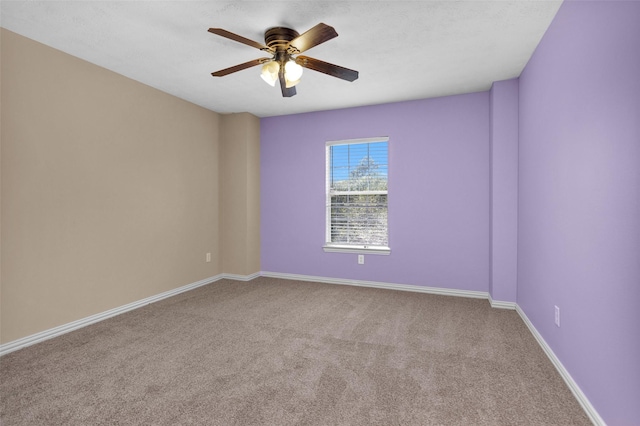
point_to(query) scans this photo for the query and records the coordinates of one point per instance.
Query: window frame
(330, 247)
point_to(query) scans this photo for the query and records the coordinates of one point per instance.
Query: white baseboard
(66, 328)
(237, 277)
(83, 322)
(376, 284)
(573, 386)
(390, 286)
(499, 304)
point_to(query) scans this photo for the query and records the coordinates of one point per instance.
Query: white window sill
(357, 249)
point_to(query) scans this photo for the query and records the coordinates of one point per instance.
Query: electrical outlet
(361, 259)
(557, 316)
(208, 257)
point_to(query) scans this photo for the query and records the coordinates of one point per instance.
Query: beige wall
(111, 190)
(240, 193)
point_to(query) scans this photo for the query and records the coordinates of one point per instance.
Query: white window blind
(357, 196)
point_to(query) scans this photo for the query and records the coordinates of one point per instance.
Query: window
(356, 195)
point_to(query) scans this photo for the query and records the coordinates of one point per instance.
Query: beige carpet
(277, 352)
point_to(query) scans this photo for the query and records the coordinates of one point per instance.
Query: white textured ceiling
(403, 49)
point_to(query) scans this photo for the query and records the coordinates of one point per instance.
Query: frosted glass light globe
(292, 71)
(270, 72)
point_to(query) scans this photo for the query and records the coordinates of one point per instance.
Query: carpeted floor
(277, 352)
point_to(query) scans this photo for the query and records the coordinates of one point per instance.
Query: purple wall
(438, 192)
(504, 190)
(579, 199)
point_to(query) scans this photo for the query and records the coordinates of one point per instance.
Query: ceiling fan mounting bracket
(278, 38)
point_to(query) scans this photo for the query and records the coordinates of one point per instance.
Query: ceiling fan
(285, 64)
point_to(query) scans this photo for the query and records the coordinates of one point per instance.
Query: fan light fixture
(292, 72)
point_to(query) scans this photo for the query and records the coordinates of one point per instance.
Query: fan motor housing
(277, 38)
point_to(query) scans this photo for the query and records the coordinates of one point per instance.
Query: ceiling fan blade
(315, 36)
(239, 67)
(327, 68)
(239, 39)
(287, 92)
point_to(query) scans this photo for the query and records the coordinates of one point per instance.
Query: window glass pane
(359, 219)
(339, 164)
(359, 167)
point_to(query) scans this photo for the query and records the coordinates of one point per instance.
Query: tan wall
(240, 193)
(253, 196)
(109, 189)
